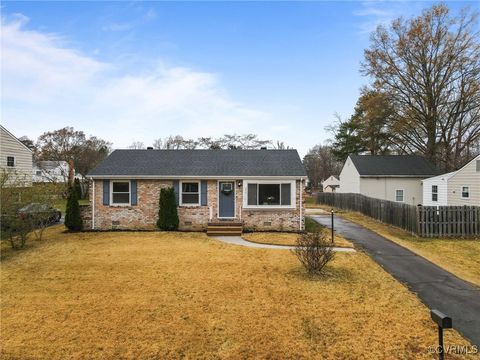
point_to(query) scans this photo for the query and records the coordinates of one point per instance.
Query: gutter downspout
(93, 204)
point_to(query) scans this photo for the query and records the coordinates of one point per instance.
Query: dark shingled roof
(393, 165)
(201, 163)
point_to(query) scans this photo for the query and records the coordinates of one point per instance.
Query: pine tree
(167, 213)
(73, 220)
(78, 188)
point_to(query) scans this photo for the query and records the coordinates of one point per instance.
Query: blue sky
(137, 71)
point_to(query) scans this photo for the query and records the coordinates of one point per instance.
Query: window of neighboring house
(465, 192)
(434, 192)
(399, 195)
(10, 161)
(38, 173)
(478, 165)
(120, 193)
(190, 194)
(269, 194)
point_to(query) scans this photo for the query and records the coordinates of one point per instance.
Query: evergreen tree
(78, 188)
(73, 220)
(167, 213)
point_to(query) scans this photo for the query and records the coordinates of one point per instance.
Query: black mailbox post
(333, 234)
(443, 322)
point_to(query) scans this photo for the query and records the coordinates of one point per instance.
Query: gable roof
(441, 177)
(200, 163)
(15, 138)
(393, 165)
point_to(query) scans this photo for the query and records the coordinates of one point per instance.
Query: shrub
(78, 188)
(73, 220)
(313, 251)
(167, 213)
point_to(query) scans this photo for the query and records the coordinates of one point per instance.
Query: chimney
(71, 172)
(149, 148)
(263, 148)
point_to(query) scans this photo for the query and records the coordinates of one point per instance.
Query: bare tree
(136, 145)
(430, 65)
(320, 164)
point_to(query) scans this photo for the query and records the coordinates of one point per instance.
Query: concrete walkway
(237, 240)
(436, 287)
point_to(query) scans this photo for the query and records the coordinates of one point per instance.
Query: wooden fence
(425, 221)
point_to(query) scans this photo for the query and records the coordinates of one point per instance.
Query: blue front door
(226, 199)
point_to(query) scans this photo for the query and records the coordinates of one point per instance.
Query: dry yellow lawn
(279, 238)
(134, 295)
(459, 256)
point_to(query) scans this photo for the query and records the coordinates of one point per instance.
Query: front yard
(152, 295)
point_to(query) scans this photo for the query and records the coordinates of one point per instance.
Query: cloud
(47, 84)
(375, 13)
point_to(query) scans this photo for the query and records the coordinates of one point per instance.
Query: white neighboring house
(331, 184)
(461, 187)
(388, 177)
(50, 171)
(15, 159)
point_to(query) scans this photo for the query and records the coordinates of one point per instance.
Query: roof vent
(149, 148)
(263, 148)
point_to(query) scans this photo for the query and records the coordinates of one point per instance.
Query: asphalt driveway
(436, 287)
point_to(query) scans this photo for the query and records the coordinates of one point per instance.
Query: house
(461, 187)
(331, 184)
(15, 159)
(50, 171)
(258, 189)
(388, 177)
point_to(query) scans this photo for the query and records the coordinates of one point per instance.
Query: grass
(155, 295)
(61, 204)
(282, 238)
(458, 256)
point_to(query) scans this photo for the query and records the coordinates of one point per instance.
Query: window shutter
(176, 190)
(203, 193)
(133, 192)
(106, 192)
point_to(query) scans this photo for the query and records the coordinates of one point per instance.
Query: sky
(139, 71)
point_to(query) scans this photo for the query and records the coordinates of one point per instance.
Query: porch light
(239, 183)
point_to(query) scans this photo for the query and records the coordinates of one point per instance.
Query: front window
(190, 194)
(465, 192)
(269, 194)
(434, 193)
(10, 161)
(121, 192)
(399, 195)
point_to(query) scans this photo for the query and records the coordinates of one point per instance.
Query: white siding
(466, 176)
(11, 146)
(385, 188)
(349, 178)
(330, 183)
(441, 182)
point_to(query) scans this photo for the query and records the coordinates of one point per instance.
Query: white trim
(433, 193)
(129, 193)
(403, 195)
(180, 193)
(461, 192)
(234, 199)
(301, 207)
(293, 194)
(93, 205)
(196, 177)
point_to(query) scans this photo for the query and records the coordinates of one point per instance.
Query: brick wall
(145, 214)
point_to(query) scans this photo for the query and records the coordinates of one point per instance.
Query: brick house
(250, 189)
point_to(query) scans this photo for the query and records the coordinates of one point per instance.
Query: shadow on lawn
(330, 273)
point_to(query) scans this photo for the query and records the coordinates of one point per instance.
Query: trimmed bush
(314, 252)
(78, 188)
(167, 213)
(73, 220)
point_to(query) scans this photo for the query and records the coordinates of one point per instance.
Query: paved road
(237, 240)
(436, 287)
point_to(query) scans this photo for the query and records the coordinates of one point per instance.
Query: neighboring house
(388, 177)
(331, 184)
(15, 159)
(50, 171)
(461, 187)
(260, 189)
